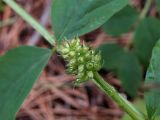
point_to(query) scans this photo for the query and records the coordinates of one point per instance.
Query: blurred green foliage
(1, 6)
(121, 22)
(124, 64)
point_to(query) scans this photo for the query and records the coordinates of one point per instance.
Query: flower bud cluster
(82, 61)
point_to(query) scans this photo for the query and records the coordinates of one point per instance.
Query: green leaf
(152, 97)
(72, 18)
(130, 73)
(110, 54)
(145, 38)
(121, 22)
(19, 68)
(124, 64)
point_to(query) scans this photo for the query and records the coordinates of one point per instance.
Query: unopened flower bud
(82, 61)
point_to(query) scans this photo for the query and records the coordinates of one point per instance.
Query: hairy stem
(28, 18)
(121, 101)
(145, 9)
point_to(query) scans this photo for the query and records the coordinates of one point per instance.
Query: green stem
(28, 18)
(121, 101)
(145, 9)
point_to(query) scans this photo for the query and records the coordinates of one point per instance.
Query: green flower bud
(89, 66)
(71, 53)
(65, 51)
(80, 68)
(82, 61)
(90, 74)
(73, 61)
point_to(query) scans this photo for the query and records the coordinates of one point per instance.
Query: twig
(43, 21)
